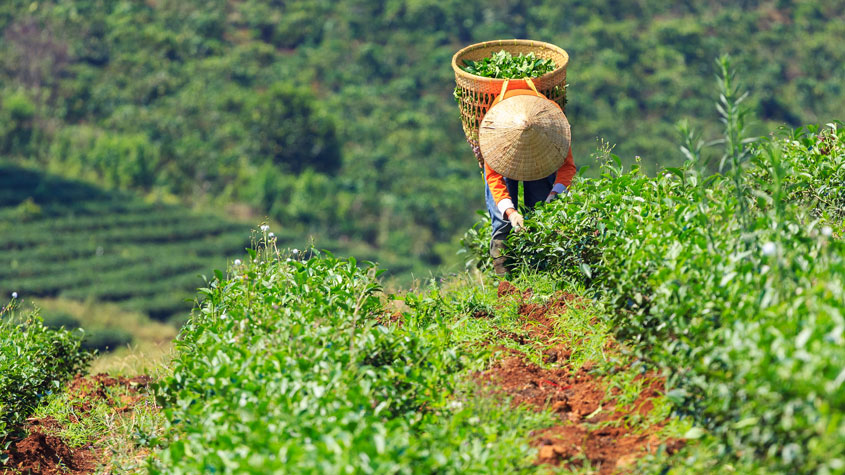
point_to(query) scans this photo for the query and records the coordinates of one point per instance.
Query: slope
(70, 239)
(336, 117)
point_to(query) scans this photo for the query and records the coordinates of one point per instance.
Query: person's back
(523, 137)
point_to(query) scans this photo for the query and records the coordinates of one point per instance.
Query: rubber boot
(500, 260)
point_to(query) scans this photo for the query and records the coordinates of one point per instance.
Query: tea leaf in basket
(503, 65)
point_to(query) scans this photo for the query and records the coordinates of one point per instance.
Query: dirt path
(593, 426)
(43, 451)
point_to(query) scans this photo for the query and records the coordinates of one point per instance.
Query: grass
(122, 437)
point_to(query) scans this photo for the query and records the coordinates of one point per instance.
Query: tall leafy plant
(733, 114)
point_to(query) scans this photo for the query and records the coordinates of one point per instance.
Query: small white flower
(271, 235)
(769, 248)
(287, 260)
(237, 262)
(295, 251)
(827, 231)
(264, 228)
(455, 405)
(223, 316)
(764, 269)
(14, 295)
(255, 261)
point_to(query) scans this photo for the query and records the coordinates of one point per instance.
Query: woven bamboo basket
(477, 93)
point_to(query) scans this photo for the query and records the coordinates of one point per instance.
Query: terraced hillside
(61, 238)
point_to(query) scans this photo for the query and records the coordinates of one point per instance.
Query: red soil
(41, 452)
(506, 289)
(388, 319)
(47, 454)
(579, 398)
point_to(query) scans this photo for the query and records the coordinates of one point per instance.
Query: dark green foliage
(117, 160)
(34, 362)
(104, 340)
(16, 123)
(505, 66)
(293, 133)
(59, 320)
(185, 87)
(75, 240)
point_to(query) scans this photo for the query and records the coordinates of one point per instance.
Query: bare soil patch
(391, 318)
(42, 451)
(580, 398)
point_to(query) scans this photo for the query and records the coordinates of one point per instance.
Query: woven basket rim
(514, 42)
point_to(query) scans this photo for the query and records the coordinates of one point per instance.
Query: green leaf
(747, 422)
(694, 433)
(675, 171)
(677, 396)
(586, 270)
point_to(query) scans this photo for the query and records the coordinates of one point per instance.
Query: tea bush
(34, 362)
(289, 366)
(734, 284)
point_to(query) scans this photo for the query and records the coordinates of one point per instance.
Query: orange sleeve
(497, 185)
(566, 171)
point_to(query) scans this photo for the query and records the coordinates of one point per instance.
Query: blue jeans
(535, 192)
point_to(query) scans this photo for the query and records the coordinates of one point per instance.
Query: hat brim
(524, 137)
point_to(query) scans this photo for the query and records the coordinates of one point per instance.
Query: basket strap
(502, 93)
(505, 84)
(533, 87)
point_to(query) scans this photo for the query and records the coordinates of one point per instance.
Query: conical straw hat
(524, 137)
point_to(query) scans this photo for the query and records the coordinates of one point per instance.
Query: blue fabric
(535, 192)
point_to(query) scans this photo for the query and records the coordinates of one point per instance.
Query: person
(502, 201)
(523, 137)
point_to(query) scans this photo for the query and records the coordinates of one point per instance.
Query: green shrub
(117, 160)
(294, 131)
(17, 113)
(60, 320)
(34, 362)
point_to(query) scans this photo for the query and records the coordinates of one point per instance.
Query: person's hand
(551, 197)
(516, 219)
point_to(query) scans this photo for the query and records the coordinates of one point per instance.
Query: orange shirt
(496, 182)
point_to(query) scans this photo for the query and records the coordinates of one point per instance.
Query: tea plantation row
(733, 284)
(70, 239)
(291, 365)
